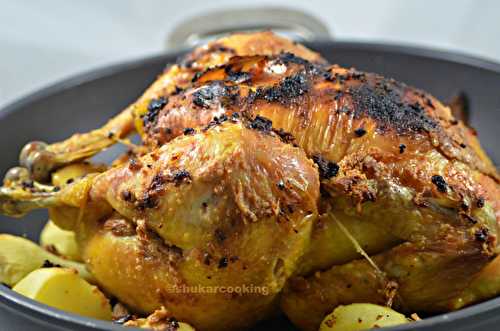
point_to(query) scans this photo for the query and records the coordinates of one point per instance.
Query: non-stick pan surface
(87, 101)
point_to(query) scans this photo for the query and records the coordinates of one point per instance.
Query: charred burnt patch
(127, 196)
(218, 120)
(28, 185)
(197, 76)
(288, 89)
(48, 264)
(235, 117)
(440, 183)
(352, 75)
(481, 234)
(189, 131)
(223, 262)
(469, 219)
(287, 57)
(236, 76)
(384, 102)
(156, 183)
(261, 124)
(154, 107)
(215, 93)
(239, 77)
(147, 201)
(480, 202)
(180, 176)
(206, 95)
(150, 198)
(402, 148)
(285, 136)
(368, 195)
(360, 132)
(310, 68)
(327, 169)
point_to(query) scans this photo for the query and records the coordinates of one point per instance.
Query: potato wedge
(361, 316)
(20, 256)
(63, 241)
(63, 289)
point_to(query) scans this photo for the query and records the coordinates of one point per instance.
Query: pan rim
(37, 311)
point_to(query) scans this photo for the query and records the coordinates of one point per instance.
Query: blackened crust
(384, 102)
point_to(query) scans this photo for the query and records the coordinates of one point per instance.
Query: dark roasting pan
(86, 101)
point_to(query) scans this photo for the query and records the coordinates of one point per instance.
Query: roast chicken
(263, 166)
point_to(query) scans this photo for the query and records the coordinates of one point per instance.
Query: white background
(44, 41)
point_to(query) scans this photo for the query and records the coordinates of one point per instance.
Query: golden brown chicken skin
(392, 159)
(246, 141)
(300, 97)
(210, 226)
(41, 158)
(242, 228)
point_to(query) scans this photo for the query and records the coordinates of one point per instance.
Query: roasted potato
(19, 257)
(64, 289)
(361, 316)
(63, 241)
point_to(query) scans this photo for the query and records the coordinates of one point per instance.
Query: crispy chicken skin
(261, 158)
(396, 168)
(41, 159)
(227, 209)
(240, 229)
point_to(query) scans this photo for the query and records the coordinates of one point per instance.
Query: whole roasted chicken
(264, 167)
